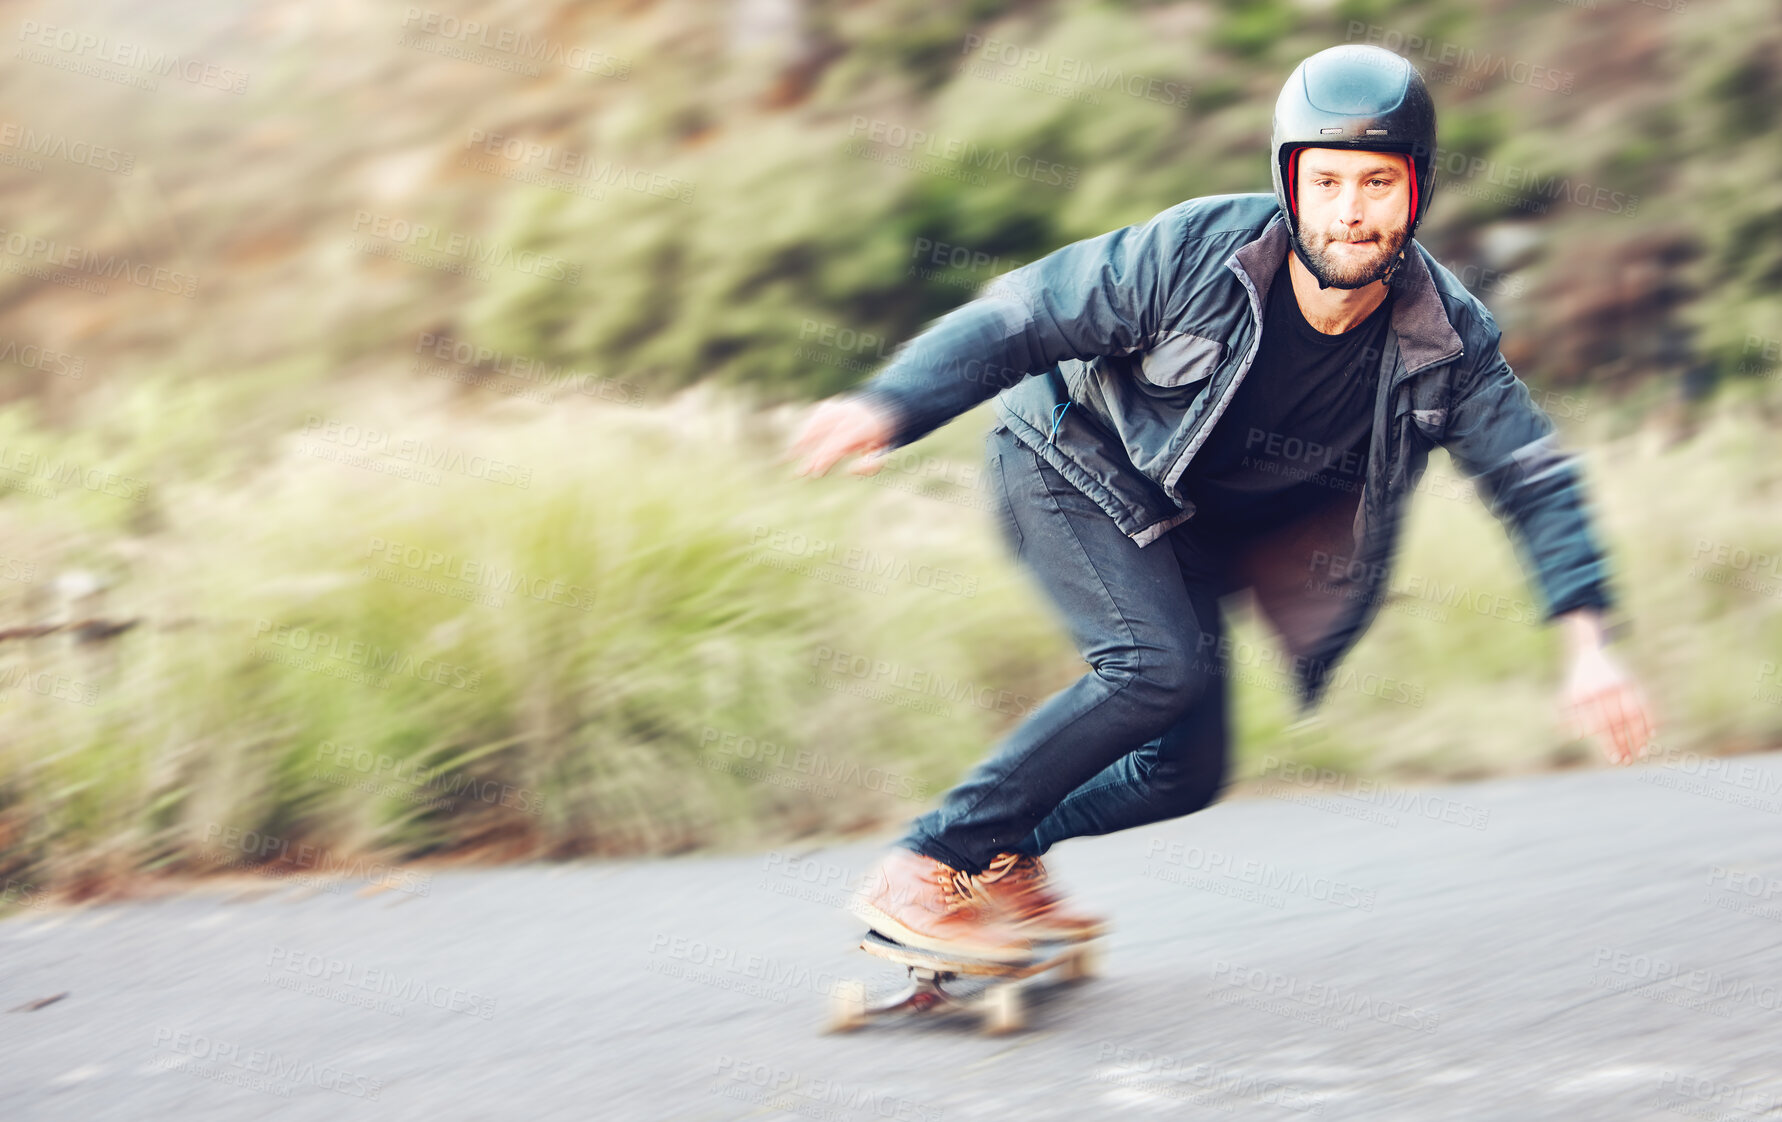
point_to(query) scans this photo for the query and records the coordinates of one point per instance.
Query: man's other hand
(837, 428)
(1601, 701)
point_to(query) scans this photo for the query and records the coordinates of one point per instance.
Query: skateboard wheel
(847, 1007)
(1084, 963)
(1002, 1010)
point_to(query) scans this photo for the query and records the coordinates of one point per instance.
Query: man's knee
(1165, 680)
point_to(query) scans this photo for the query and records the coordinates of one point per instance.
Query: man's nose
(1349, 211)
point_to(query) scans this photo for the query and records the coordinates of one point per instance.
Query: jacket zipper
(1346, 625)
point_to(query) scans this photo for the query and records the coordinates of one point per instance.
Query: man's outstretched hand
(841, 427)
(1600, 699)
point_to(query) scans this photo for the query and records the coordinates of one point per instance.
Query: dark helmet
(1355, 96)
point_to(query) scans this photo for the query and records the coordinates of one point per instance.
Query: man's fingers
(1615, 722)
(817, 425)
(1620, 723)
(818, 444)
(821, 460)
(1601, 724)
(1593, 719)
(870, 462)
(1639, 721)
(1628, 723)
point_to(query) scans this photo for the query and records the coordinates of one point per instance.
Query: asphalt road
(1589, 945)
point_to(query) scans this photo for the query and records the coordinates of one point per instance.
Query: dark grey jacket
(1135, 341)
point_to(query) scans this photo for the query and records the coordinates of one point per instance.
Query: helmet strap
(1397, 264)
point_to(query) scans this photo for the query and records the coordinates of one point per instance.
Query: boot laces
(1017, 868)
(957, 889)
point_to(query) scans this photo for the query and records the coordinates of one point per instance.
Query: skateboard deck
(992, 991)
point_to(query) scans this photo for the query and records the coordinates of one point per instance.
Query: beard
(1345, 268)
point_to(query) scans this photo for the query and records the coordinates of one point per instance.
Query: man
(1188, 409)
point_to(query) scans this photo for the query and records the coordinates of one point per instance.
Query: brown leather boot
(923, 903)
(1019, 890)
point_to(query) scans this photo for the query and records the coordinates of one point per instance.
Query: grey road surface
(1588, 945)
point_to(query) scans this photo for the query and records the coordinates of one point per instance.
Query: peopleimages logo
(1477, 64)
(260, 1069)
(1264, 875)
(330, 970)
(1534, 186)
(34, 357)
(375, 661)
(1076, 71)
(964, 153)
(451, 786)
(466, 249)
(770, 754)
(573, 164)
(58, 147)
(519, 44)
(864, 561)
(480, 574)
(92, 49)
(251, 848)
(87, 263)
(355, 437)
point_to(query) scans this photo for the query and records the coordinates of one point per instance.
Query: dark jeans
(1142, 736)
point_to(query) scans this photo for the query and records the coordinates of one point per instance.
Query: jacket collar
(1425, 336)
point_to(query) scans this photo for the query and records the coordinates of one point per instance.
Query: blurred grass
(626, 723)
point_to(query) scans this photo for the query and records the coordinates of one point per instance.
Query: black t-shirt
(1299, 424)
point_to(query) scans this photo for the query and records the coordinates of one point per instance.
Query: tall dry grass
(664, 641)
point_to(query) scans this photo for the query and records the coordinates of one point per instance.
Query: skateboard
(942, 983)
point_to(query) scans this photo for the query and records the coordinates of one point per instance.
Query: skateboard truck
(999, 1003)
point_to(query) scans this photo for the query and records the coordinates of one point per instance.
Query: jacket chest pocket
(1180, 359)
(1425, 404)
(1414, 433)
(1430, 424)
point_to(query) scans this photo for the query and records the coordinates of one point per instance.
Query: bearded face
(1350, 257)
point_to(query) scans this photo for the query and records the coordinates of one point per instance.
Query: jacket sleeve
(1100, 296)
(1497, 435)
